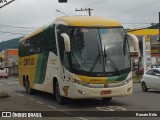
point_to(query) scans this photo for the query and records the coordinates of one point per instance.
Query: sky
(22, 17)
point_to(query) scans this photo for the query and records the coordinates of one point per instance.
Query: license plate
(105, 92)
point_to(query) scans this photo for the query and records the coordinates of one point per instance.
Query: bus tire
(27, 87)
(107, 99)
(59, 98)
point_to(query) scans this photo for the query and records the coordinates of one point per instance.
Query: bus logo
(6, 114)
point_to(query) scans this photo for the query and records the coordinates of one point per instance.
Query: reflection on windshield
(98, 50)
(112, 41)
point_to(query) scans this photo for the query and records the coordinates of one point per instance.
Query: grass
(4, 94)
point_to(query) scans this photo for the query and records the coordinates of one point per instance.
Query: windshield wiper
(96, 60)
(111, 61)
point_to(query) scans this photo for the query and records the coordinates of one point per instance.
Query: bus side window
(37, 44)
(23, 51)
(52, 40)
(44, 42)
(48, 42)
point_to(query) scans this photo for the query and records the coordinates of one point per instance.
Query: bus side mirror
(66, 42)
(133, 43)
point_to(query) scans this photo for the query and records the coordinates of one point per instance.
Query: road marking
(19, 94)
(31, 99)
(12, 83)
(65, 112)
(51, 106)
(40, 102)
(82, 118)
(111, 108)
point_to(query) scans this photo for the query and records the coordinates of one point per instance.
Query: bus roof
(88, 21)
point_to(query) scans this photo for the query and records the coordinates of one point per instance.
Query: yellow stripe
(146, 32)
(92, 80)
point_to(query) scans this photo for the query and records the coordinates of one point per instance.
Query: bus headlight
(78, 81)
(127, 80)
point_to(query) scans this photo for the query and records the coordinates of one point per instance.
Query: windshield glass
(112, 46)
(98, 50)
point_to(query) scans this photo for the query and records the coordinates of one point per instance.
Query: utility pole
(86, 9)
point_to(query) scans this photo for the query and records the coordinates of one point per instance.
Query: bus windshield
(98, 50)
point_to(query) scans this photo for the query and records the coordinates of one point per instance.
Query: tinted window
(156, 72)
(42, 42)
(150, 72)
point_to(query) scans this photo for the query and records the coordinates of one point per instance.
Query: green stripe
(41, 67)
(118, 78)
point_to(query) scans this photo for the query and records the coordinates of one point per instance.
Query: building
(153, 34)
(11, 61)
(2, 59)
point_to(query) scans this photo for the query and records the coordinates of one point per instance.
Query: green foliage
(157, 26)
(9, 44)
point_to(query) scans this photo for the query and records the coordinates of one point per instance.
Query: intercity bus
(77, 57)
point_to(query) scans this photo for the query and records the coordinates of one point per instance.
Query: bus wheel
(59, 98)
(27, 87)
(107, 99)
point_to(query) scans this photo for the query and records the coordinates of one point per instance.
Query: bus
(77, 57)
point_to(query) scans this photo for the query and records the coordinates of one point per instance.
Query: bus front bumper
(80, 92)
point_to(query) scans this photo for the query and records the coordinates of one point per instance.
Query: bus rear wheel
(59, 98)
(27, 87)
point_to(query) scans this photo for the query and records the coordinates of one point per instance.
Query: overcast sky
(21, 17)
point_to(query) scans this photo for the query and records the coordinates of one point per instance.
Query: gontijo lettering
(28, 61)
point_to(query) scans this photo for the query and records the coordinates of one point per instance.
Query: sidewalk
(16, 102)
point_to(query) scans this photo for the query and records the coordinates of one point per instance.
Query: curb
(136, 81)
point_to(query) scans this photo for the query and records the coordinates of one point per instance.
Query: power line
(99, 2)
(94, 3)
(12, 26)
(138, 23)
(135, 29)
(88, 3)
(7, 4)
(136, 8)
(12, 33)
(86, 9)
(91, 3)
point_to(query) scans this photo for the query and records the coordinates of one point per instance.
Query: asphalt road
(138, 101)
